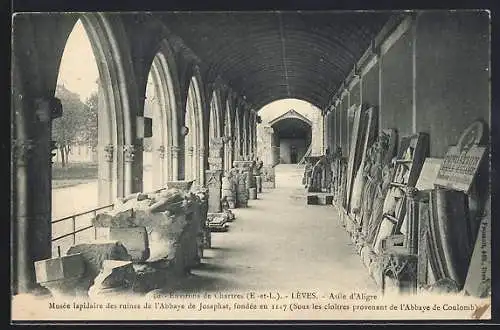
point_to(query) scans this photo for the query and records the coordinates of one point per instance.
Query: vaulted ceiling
(266, 56)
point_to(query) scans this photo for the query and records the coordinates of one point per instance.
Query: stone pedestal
(268, 177)
(241, 190)
(252, 193)
(258, 181)
(214, 185)
(245, 181)
(229, 190)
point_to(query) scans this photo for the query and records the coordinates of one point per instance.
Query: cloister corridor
(280, 242)
(195, 148)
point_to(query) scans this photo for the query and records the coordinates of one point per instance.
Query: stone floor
(279, 242)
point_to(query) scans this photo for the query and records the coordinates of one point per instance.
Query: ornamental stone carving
(108, 152)
(129, 152)
(174, 151)
(161, 151)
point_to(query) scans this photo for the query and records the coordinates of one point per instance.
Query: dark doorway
(293, 137)
(293, 155)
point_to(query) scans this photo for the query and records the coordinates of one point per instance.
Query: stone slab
(321, 199)
(55, 269)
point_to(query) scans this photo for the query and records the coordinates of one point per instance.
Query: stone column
(214, 175)
(214, 185)
(188, 164)
(23, 267)
(228, 153)
(264, 144)
(201, 166)
(174, 152)
(129, 154)
(105, 174)
(159, 167)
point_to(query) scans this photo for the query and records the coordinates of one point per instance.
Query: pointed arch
(195, 139)
(228, 134)
(237, 134)
(165, 131)
(215, 115)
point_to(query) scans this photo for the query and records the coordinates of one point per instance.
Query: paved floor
(279, 242)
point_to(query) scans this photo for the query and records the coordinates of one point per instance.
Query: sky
(279, 107)
(78, 71)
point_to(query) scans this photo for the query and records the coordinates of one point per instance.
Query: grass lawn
(73, 174)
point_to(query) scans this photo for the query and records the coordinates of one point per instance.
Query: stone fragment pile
(144, 243)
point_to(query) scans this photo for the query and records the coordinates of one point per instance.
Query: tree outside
(78, 124)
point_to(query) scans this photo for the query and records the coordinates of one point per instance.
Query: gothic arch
(215, 115)
(117, 86)
(195, 139)
(165, 164)
(237, 134)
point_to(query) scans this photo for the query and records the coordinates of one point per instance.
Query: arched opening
(293, 136)
(74, 168)
(159, 106)
(214, 124)
(193, 146)
(93, 91)
(237, 135)
(294, 130)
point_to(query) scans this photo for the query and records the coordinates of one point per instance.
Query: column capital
(161, 151)
(129, 151)
(174, 151)
(108, 152)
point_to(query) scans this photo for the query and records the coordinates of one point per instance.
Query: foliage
(89, 135)
(78, 124)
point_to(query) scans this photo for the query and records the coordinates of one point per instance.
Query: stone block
(61, 268)
(135, 240)
(95, 253)
(116, 277)
(312, 200)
